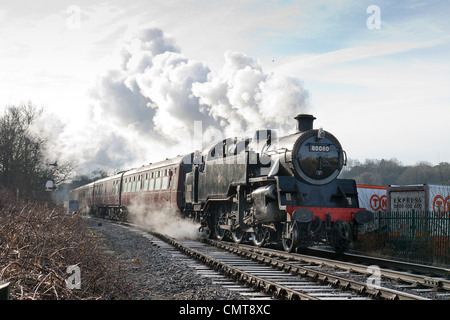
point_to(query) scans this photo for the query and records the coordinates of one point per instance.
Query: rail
(427, 276)
(4, 291)
(336, 281)
(237, 274)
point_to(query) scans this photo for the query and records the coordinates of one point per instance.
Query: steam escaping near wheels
(165, 221)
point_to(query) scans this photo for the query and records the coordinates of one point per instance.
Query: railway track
(263, 273)
(379, 282)
(416, 276)
(250, 276)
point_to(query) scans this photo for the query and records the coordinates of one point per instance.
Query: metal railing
(417, 236)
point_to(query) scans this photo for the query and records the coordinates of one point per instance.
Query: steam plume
(154, 96)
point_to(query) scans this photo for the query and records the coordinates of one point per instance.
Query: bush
(37, 245)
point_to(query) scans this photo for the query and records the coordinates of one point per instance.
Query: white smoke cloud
(147, 105)
(168, 85)
(243, 98)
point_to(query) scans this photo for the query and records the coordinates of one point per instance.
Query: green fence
(417, 236)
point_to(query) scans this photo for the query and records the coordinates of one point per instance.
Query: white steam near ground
(166, 221)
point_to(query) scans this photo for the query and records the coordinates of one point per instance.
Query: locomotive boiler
(276, 189)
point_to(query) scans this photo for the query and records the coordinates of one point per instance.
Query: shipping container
(372, 198)
(422, 197)
(420, 214)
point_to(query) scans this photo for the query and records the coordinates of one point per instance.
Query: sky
(125, 83)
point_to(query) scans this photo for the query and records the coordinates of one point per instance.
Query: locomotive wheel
(290, 238)
(237, 236)
(221, 221)
(260, 236)
(342, 236)
(209, 232)
(209, 226)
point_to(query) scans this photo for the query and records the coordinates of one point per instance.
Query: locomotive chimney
(304, 122)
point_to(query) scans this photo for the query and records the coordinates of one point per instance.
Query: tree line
(23, 168)
(388, 172)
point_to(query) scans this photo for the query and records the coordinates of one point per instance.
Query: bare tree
(22, 163)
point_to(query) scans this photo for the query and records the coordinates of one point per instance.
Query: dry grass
(37, 245)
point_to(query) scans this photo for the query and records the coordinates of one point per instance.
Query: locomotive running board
(262, 180)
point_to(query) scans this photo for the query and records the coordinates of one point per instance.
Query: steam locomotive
(264, 189)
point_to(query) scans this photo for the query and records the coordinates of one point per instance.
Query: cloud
(308, 62)
(145, 108)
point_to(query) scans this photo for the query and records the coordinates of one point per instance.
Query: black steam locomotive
(268, 188)
(276, 189)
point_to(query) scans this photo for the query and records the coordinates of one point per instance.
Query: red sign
(49, 186)
(378, 203)
(441, 205)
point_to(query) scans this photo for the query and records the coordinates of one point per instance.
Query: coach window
(138, 184)
(165, 181)
(133, 185)
(146, 182)
(158, 180)
(151, 183)
(129, 184)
